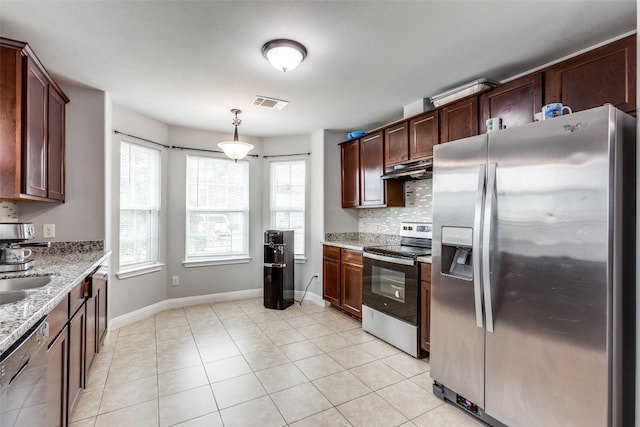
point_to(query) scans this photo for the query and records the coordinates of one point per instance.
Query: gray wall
(336, 219)
(82, 216)
(219, 278)
(137, 292)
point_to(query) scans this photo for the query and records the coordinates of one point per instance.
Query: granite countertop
(358, 241)
(426, 259)
(356, 245)
(68, 265)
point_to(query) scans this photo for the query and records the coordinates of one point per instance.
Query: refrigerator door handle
(486, 245)
(476, 258)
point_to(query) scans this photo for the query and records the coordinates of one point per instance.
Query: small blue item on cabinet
(356, 134)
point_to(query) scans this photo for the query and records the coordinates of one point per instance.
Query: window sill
(215, 261)
(300, 260)
(139, 271)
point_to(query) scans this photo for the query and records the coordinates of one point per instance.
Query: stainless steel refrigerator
(533, 282)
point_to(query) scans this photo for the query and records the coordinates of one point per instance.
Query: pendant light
(235, 149)
(284, 54)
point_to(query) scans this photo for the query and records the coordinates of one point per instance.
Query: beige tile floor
(239, 364)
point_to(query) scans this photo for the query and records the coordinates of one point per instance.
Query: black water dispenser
(278, 269)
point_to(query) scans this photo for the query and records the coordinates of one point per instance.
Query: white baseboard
(150, 310)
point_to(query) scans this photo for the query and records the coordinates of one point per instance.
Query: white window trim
(212, 260)
(298, 258)
(139, 270)
(208, 262)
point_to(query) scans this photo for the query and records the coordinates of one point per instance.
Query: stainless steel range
(391, 287)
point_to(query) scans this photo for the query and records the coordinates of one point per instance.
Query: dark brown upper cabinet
(515, 102)
(423, 135)
(32, 127)
(603, 75)
(371, 169)
(459, 119)
(396, 144)
(362, 168)
(350, 158)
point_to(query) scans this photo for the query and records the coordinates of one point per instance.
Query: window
(217, 208)
(287, 199)
(139, 204)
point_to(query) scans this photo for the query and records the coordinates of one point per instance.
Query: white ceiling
(188, 63)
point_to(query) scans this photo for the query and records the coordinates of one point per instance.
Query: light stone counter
(358, 241)
(356, 245)
(69, 263)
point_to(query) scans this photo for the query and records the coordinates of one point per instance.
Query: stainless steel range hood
(421, 169)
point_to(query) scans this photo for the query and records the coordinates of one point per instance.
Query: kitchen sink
(13, 296)
(23, 283)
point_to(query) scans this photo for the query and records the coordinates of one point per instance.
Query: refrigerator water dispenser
(456, 252)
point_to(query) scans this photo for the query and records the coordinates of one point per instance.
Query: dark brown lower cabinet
(91, 343)
(57, 365)
(351, 292)
(342, 279)
(96, 322)
(425, 306)
(331, 275)
(77, 333)
(77, 326)
(57, 358)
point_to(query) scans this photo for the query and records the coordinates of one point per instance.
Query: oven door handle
(393, 260)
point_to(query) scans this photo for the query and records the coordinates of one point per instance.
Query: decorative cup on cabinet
(494, 123)
(554, 109)
(15, 255)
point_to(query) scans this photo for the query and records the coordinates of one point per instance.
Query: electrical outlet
(175, 280)
(49, 230)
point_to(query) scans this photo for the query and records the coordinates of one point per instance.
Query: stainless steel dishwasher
(23, 379)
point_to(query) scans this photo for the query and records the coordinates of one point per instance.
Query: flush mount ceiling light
(235, 149)
(284, 54)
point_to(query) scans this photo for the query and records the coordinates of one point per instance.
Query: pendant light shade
(235, 149)
(284, 54)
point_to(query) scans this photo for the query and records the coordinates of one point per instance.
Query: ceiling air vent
(270, 103)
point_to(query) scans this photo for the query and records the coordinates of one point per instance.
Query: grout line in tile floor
(238, 364)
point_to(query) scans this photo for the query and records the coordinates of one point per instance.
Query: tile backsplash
(418, 207)
(8, 211)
